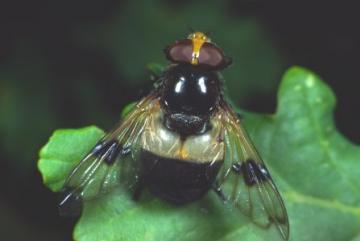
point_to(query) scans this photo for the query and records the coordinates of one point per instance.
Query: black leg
(216, 187)
(139, 188)
(219, 192)
(144, 175)
(125, 151)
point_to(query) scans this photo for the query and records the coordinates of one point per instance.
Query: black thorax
(189, 95)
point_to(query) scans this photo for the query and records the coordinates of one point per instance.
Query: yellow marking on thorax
(197, 39)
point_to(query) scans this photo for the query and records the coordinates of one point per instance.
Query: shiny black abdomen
(177, 181)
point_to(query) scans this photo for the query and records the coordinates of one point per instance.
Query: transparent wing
(101, 170)
(244, 179)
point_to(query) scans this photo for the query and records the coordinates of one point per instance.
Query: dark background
(67, 64)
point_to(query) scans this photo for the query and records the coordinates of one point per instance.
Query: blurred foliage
(141, 39)
(26, 116)
(301, 147)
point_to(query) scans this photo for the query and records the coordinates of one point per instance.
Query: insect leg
(140, 183)
(125, 151)
(217, 189)
(139, 188)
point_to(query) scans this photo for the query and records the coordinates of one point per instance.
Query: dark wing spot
(98, 149)
(237, 168)
(109, 150)
(264, 171)
(112, 153)
(251, 172)
(70, 202)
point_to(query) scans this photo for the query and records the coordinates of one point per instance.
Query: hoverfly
(181, 141)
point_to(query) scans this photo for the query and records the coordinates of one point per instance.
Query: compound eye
(180, 52)
(210, 55)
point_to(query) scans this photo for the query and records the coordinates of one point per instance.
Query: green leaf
(315, 167)
(63, 151)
